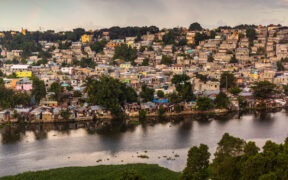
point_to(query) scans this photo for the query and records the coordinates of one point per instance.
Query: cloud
(164, 13)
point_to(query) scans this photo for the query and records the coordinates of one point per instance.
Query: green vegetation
(145, 62)
(169, 38)
(222, 101)
(227, 80)
(147, 94)
(251, 35)
(197, 163)
(151, 172)
(125, 53)
(10, 98)
(184, 88)
(142, 115)
(57, 90)
(233, 60)
(280, 66)
(87, 62)
(234, 90)
(160, 94)
(38, 89)
(204, 103)
(98, 46)
(166, 60)
(263, 89)
(110, 93)
(195, 27)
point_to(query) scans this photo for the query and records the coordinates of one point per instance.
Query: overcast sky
(93, 14)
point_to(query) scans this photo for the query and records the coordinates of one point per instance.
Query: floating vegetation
(143, 156)
(176, 155)
(99, 160)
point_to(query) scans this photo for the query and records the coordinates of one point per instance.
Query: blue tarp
(160, 101)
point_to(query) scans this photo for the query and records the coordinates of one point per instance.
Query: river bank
(131, 116)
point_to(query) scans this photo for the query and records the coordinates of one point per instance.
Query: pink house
(24, 85)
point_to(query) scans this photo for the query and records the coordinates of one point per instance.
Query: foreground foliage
(129, 171)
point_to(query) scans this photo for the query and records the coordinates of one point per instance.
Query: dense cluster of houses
(256, 62)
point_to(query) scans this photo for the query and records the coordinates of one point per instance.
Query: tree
(57, 89)
(251, 149)
(38, 89)
(254, 167)
(98, 46)
(204, 103)
(125, 53)
(230, 146)
(184, 88)
(222, 101)
(251, 35)
(234, 90)
(65, 114)
(263, 89)
(87, 62)
(233, 60)
(227, 80)
(280, 66)
(197, 163)
(242, 102)
(142, 115)
(167, 60)
(160, 94)
(147, 94)
(174, 98)
(195, 27)
(210, 58)
(169, 38)
(145, 62)
(131, 175)
(180, 79)
(285, 88)
(109, 93)
(77, 94)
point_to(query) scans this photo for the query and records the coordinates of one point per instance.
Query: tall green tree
(204, 103)
(222, 101)
(195, 27)
(147, 94)
(38, 89)
(263, 89)
(58, 90)
(227, 80)
(197, 163)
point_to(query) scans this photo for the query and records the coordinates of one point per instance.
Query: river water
(46, 146)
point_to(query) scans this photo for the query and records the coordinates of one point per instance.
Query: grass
(150, 171)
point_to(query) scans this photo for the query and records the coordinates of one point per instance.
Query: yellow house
(130, 43)
(12, 32)
(254, 75)
(86, 38)
(24, 31)
(24, 74)
(125, 65)
(190, 36)
(2, 35)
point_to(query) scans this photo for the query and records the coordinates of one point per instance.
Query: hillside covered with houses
(141, 71)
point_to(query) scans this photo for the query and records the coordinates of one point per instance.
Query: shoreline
(132, 117)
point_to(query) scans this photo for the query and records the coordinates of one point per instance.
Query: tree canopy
(195, 27)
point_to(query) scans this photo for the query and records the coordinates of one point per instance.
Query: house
(5, 115)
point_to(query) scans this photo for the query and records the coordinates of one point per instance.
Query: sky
(94, 14)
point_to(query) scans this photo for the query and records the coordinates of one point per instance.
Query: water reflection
(38, 146)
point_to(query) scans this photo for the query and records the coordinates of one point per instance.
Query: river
(45, 146)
